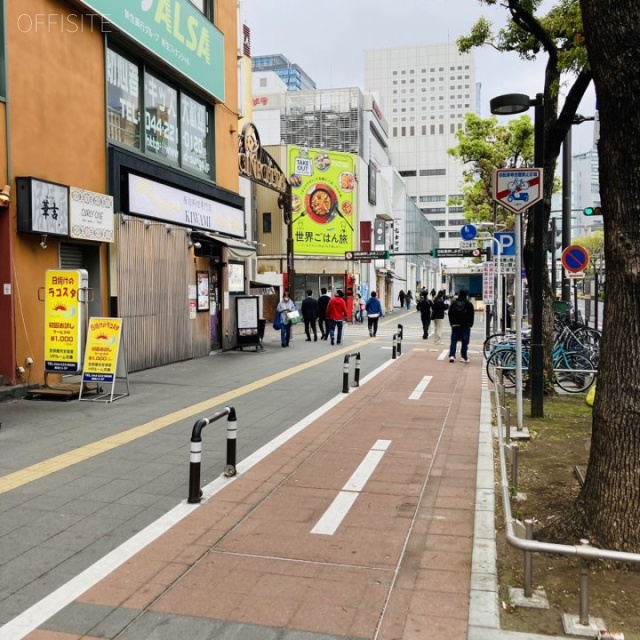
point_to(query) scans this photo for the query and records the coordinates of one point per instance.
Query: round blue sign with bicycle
(468, 232)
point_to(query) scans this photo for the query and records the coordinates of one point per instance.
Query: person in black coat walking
(440, 307)
(461, 315)
(323, 301)
(309, 309)
(425, 307)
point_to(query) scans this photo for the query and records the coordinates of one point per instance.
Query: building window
(395, 132)
(433, 172)
(441, 128)
(178, 128)
(205, 7)
(266, 222)
(404, 131)
(412, 131)
(408, 174)
(424, 133)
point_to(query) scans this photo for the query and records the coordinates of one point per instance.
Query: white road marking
(336, 513)
(40, 612)
(444, 354)
(419, 390)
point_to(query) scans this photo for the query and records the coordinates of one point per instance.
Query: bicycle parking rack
(519, 535)
(345, 372)
(397, 342)
(195, 458)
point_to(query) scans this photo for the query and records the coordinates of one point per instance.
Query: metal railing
(195, 458)
(520, 536)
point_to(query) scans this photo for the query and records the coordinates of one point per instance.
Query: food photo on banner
(322, 187)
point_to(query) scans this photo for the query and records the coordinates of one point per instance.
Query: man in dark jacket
(461, 314)
(424, 306)
(323, 301)
(440, 306)
(309, 309)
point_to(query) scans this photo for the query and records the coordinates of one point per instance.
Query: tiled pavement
(412, 556)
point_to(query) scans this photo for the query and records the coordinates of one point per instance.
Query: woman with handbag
(284, 308)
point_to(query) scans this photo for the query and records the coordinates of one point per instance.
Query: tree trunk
(607, 511)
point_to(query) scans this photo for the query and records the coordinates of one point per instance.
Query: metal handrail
(581, 551)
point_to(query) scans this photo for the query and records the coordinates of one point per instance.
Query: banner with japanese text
(103, 347)
(323, 202)
(63, 321)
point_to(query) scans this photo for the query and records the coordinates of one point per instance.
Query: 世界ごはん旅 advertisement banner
(101, 354)
(323, 184)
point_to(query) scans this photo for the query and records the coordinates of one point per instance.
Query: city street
(81, 481)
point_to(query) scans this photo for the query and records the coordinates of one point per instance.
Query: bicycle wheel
(505, 359)
(574, 372)
(491, 342)
(589, 340)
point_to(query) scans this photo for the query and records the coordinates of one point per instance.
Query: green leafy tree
(485, 145)
(556, 35)
(594, 244)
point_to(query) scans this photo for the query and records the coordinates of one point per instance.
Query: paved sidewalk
(371, 518)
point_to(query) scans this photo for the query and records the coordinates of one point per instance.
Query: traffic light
(554, 238)
(592, 211)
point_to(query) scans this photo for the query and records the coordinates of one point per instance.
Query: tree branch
(527, 22)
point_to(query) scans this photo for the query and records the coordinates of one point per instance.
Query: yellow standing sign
(102, 349)
(63, 320)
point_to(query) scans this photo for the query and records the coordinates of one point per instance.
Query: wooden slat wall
(154, 272)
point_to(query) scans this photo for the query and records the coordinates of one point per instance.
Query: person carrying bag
(284, 308)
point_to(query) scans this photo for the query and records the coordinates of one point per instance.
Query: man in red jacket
(336, 313)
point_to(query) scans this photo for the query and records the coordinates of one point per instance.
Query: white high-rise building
(425, 92)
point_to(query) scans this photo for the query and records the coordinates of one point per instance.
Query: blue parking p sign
(507, 242)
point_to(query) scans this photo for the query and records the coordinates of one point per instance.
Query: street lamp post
(512, 104)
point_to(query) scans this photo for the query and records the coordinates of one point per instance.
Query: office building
(290, 73)
(425, 92)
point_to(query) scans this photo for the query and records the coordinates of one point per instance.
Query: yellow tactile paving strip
(57, 463)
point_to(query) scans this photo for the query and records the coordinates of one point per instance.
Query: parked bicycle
(573, 372)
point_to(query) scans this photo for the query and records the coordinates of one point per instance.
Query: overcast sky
(328, 38)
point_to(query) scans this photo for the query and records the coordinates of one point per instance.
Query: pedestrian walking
(461, 313)
(309, 310)
(285, 306)
(374, 311)
(358, 308)
(336, 315)
(437, 315)
(401, 297)
(323, 301)
(409, 298)
(425, 307)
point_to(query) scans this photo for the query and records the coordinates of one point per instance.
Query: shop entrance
(85, 256)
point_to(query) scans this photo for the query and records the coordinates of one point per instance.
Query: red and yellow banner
(101, 353)
(63, 321)
(323, 201)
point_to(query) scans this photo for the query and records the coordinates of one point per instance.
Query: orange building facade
(118, 139)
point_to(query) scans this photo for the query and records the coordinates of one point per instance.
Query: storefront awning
(238, 248)
(390, 274)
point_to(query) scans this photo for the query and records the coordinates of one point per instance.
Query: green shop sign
(176, 32)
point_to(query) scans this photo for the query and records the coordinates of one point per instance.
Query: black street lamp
(512, 104)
